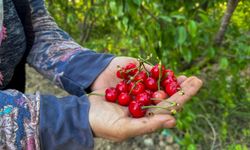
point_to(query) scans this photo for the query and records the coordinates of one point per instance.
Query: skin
(112, 121)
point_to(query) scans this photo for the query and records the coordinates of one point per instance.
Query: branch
(231, 5)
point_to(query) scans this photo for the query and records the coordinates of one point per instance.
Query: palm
(108, 77)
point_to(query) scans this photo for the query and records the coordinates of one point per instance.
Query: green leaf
(182, 35)
(166, 18)
(112, 6)
(178, 17)
(192, 28)
(137, 2)
(224, 63)
(187, 55)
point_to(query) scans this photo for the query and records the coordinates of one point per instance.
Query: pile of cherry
(140, 89)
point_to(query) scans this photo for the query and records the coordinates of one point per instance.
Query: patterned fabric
(13, 47)
(52, 48)
(55, 55)
(19, 120)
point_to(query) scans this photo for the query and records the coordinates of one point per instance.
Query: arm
(59, 58)
(31, 121)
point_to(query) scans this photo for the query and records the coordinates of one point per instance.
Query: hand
(108, 77)
(112, 121)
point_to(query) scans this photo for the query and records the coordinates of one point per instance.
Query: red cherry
(168, 73)
(111, 94)
(131, 69)
(141, 76)
(136, 88)
(121, 73)
(155, 71)
(168, 80)
(149, 92)
(151, 84)
(124, 99)
(159, 95)
(121, 87)
(135, 109)
(144, 98)
(172, 88)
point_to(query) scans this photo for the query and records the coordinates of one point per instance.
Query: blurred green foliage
(181, 34)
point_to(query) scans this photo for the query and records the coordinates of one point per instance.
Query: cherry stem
(145, 69)
(134, 86)
(152, 106)
(145, 61)
(160, 74)
(96, 94)
(165, 100)
(130, 70)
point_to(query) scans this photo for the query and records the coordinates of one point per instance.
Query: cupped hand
(112, 121)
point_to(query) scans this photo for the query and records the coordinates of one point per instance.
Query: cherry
(151, 84)
(161, 95)
(135, 109)
(111, 94)
(168, 80)
(121, 73)
(124, 99)
(168, 73)
(144, 98)
(155, 71)
(149, 92)
(131, 69)
(121, 87)
(136, 88)
(141, 76)
(172, 88)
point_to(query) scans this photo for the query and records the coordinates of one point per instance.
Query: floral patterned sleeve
(58, 57)
(34, 122)
(19, 120)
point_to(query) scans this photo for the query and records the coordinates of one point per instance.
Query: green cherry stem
(134, 86)
(165, 100)
(153, 106)
(160, 75)
(145, 61)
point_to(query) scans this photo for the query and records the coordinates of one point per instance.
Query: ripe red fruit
(161, 95)
(168, 80)
(131, 69)
(151, 84)
(155, 71)
(135, 109)
(121, 87)
(136, 88)
(124, 99)
(143, 98)
(141, 76)
(121, 73)
(150, 93)
(168, 73)
(111, 94)
(172, 88)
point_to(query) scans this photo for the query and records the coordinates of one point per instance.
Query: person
(29, 34)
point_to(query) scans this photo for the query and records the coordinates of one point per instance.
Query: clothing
(45, 121)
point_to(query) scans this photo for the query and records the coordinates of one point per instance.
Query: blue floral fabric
(45, 121)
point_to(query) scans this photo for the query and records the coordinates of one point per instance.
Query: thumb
(150, 124)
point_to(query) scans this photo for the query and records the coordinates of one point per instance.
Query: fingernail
(170, 123)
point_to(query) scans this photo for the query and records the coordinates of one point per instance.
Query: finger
(190, 87)
(181, 79)
(148, 67)
(150, 124)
